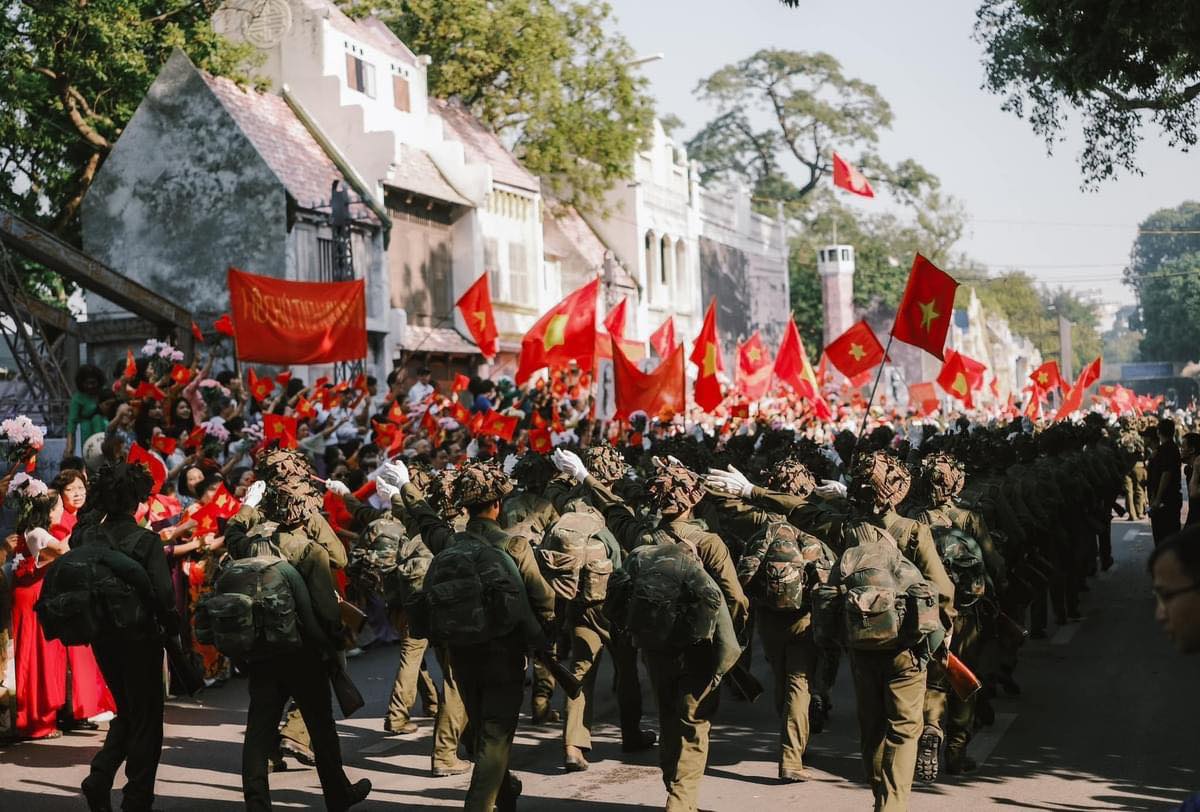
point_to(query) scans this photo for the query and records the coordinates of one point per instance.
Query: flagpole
(878, 376)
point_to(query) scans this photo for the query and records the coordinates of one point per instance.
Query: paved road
(1105, 722)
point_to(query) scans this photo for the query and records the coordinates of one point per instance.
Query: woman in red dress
(41, 663)
(89, 694)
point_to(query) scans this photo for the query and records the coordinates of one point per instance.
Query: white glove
(510, 463)
(337, 488)
(385, 489)
(732, 482)
(255, 494)
(395, 473)
(569, 463)
(473, 448)
(828, 489)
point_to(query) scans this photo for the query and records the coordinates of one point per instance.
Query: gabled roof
(369, 30)
(416, 172)
(284, 143)
(482, 146)
(565, 232)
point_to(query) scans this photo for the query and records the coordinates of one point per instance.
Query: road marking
(985, 742)
(1064, 634)
(1130, 534)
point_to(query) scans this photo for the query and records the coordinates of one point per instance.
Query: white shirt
(418, 393)
(37, 539)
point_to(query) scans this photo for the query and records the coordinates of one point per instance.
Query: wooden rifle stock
(962, 680)
(188, 674)
(562, 675)
(744, 682)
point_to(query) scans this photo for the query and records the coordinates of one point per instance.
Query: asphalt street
(1105, 721)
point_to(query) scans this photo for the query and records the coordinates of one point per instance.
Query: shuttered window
(360, 75)
(400, 93)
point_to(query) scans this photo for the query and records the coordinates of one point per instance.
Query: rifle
(348, 697)
(744, 682)
(189, 675)
(962, 679)
(562, 675)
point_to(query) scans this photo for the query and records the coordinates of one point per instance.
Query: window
(681, 279)
(845, 255)
(326, 259)
(651, 260)
(520, 291)
(665, 262)
(360, 75)
(491, 265)
(400, 93)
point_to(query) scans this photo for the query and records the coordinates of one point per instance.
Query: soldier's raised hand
(395, 473)
(569, 463)
(255, 494)
(731, 481)
(337, 488)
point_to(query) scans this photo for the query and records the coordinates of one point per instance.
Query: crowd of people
(495, 529)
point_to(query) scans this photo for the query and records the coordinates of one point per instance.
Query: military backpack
(963, 560)
(251, 612)
(404, 581)
(472, 594)
(663, 598)
(375, 554)
(782, 565)
(574, 558)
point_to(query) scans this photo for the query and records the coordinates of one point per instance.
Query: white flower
(20, 430)
(216, 430)
(176, 356)
(18, 482)
(36, 488)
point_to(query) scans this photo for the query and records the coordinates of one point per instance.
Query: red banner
(281, 322)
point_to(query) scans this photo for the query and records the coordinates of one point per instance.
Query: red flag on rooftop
(846, 176)
(923, 317)
(476, 308)
(567, 332)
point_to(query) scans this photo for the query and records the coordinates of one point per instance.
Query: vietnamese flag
(923, 318)
(1074, 399)
(158, 471)
(180, 374)
(195, 437)
(360, 383)
(145, 389)
(614, 322)
(1089, 375)
(567, 332)
(197, 333)
(653, 392)
(792, 366)
(1033, 409)
(280, 427)
(974, 369)
(206, 520)
(130, 366)
(1047, 376)
(284, 378)
(226, 504)
(476, 308)
(461, 382)
(224, 325)
(846, 176)
(460, 413)
(753, 367)
(955, 379)
(383, 434)
(540, 441)
(260, 388)
(396, 413)
(305, 409)
(500, 425)
(706, 355)
(663, 339)
(163, 444)
(925, 395)
(855, 351)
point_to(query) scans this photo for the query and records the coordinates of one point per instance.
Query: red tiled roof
(416, 172)
(369, 30)
(283, 141)
(482, 146)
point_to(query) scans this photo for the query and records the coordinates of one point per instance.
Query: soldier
(685, 677)
(489, 664)
(528, 505)
(132, 668)
(300, 672)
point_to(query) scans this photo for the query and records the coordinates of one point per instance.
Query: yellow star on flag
(755, 354)
(960, 384)
(278, 427)
(928, 314)
(857, 351)
(1043, 378)
(710, 360)
(556, 331)
(482, 317)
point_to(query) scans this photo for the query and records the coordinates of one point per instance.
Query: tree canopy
(1110, 64)
(1164, 272)
(551, 77)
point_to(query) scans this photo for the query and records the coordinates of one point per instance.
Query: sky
(1026, 208)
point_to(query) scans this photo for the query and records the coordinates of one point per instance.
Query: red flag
(540, 441)
(1033, 409)
(995, 387)
(706, 354)
(1074, 399)
(130, 366)
(1047, 376)
(638, 391)
(383, 434)
(846, 176)
(566, 332)
(924, 396)
(792, 366)
(206, 520)
(1089, 375)
(614, 322)
(145, 389)
(260, 388)
(305, 409)
(923, 317)
(284, 378)
(158, 471)
(280, 427)
(974, 369)
(278, 321)
(460, 413)
(753, 367)
(663, 339)
(224, 325)
(396, 413)
(954, 378)
(163, 444)
(225, 504)
(500, 425)
(461, 382)
(360, 382)
(855, 351)
(180, 374)
(476, 308)
(195, 438)
(197, 333)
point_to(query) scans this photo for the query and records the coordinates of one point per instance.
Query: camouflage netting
(291, 496)
(880, 477)
(534, 470)
(790, 476)
(674, 489)
(604, 462)
(478, 483)
(943, 476)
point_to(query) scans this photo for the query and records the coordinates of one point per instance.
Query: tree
(73, 74)
(550, 77)
(1164, 272)
(811, 108)
(1110, 63)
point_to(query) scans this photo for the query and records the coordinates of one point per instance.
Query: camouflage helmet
(879, 477)
(421, 476)
(944, 476)
(291, 497)
(533, 470)
(673, 489)
(439, 493)
(604, 462)
(478, 483)
(790, 476)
